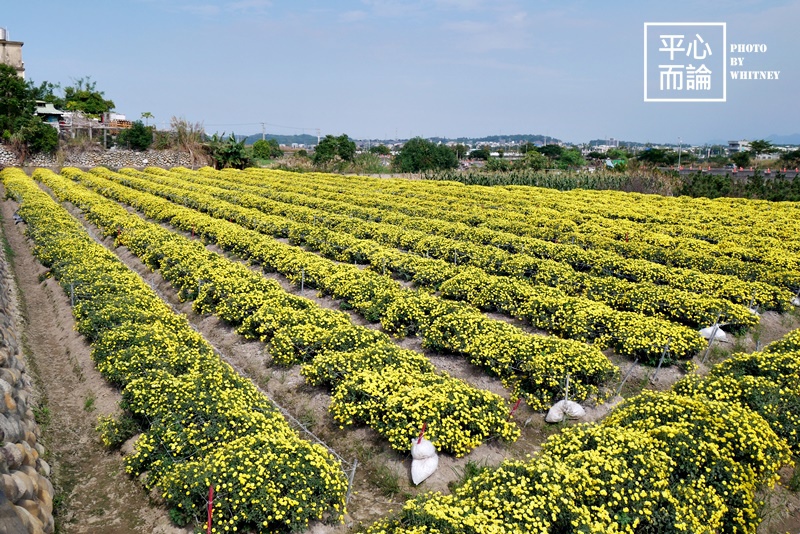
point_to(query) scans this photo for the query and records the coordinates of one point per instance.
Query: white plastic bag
(425, 460)
(708, 331)
(562, 409)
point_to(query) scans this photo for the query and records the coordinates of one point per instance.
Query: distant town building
(11, 53)
(738, 146)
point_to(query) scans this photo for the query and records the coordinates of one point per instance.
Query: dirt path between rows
(93, 493)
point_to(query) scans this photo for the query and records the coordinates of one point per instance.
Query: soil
(96, 495)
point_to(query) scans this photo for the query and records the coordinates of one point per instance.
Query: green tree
(551, 151)
(419, 155)
(146, 115)
(346, 148)
(381, 150)
(571, 158)
(37, 136)
(267, 149)
(330, 148)
(741, 159)
(460, 150)
(760, 146)
(137, 137)
(533, 160)
(617, 153)
(658, 156)
(46, 91)
(791, 158)
(227, 154)
(481, 153)
(16, 102)
(274, 148)
(84, 97)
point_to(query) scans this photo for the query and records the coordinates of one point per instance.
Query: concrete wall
(106, 158)
(11, 54)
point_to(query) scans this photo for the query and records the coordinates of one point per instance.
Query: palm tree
(147, 115)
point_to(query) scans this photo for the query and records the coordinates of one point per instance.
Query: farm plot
(431, 260)
(202, 423)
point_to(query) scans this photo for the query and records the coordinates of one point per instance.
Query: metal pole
(627, 375)
(350, 481)
(661, 361)
(711, 341)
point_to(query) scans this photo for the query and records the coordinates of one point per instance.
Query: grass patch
(385, 479)
(470, 470)
(89, 403)
(794, 482)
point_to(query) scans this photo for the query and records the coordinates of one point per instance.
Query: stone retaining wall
(107, 158)
(26, 494)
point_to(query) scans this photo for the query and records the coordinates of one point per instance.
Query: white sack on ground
(562, 409)
(425, 460)
(708, 331)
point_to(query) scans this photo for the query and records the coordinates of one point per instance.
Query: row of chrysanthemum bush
(686, 296)
(402, 311)
(373, 381)
(637, 335)
(201, 422)
(691, 460)
(533, 366)
(543, 226)
(631, 225)
(337, 229)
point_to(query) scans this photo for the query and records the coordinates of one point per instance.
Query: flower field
(532, 286)
(205, 424)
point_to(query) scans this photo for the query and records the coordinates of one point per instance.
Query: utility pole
(679, 153)
(263, 131)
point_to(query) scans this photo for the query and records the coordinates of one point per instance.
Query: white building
(738, 146)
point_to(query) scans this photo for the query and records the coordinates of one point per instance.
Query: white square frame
(724, 61)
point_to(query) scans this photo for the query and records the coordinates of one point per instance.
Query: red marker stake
(422, 433)
(210, 506)
(514, 409)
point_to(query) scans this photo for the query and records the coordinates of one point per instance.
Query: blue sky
(386, 68)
